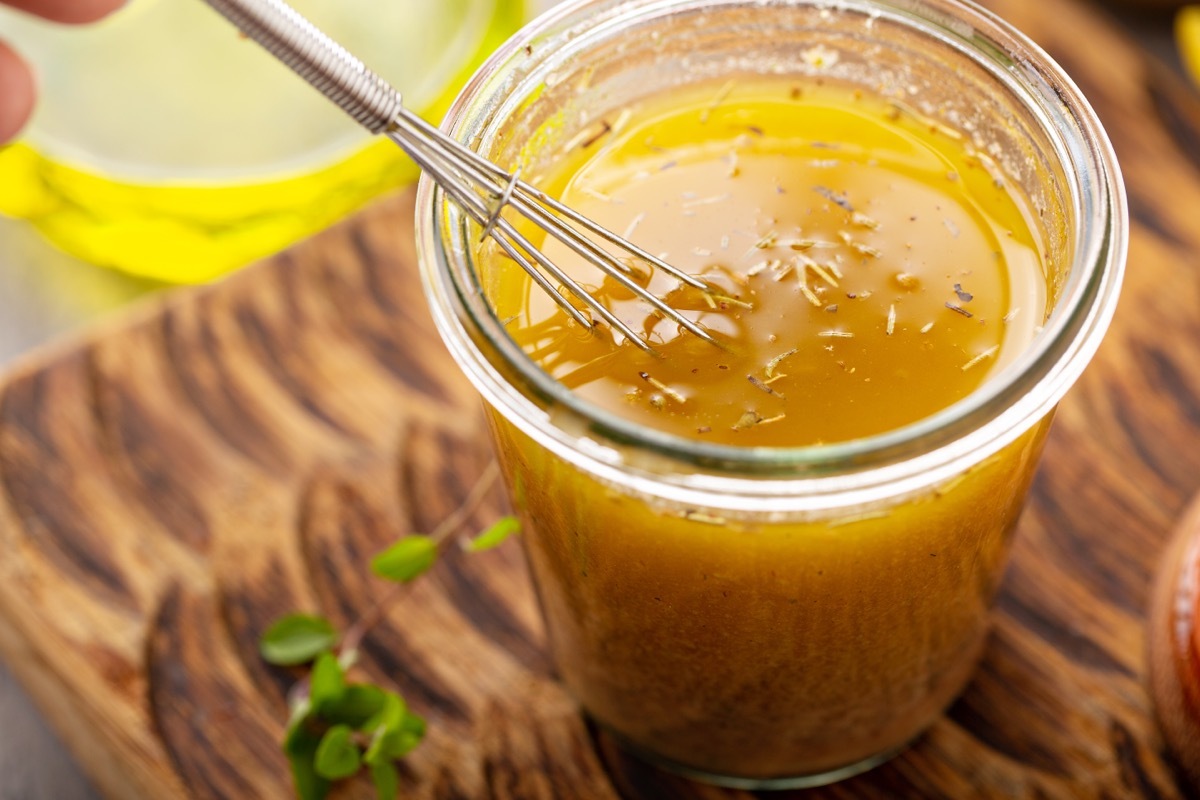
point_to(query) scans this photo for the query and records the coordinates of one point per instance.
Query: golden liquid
(756, 649)
(868, 269)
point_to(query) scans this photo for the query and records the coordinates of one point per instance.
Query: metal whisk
(476, 185)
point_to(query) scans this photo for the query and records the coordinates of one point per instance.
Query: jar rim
(919, 454)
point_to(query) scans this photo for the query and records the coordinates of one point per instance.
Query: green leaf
(390, 715)
(337, 755)
(296, 639)
(495, 535)
(406, 559)
(388, 745)
(300, 745)
(327, 684)
(387, 736)
(357, 707)
(386, 780)
(308, 784)
(413, 725)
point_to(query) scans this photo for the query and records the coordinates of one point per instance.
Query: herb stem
(363, 625)
(453, 522)
(474, 499)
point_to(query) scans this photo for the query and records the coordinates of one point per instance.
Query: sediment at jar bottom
(756, 650)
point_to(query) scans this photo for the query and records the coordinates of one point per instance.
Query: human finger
(16, 93)
(72, 11)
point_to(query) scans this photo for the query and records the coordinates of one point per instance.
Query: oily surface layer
(868, 269)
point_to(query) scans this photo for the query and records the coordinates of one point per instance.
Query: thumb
(16, 93)
(74, 11)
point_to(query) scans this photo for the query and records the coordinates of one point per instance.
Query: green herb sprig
(338, 727)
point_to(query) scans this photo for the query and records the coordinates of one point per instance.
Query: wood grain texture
(170, 485)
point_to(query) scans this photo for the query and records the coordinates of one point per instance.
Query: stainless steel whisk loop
(477, 186)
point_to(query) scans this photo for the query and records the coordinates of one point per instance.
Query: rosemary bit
(748, 420)
(760, 385)
(662, 387)
(774, 362)
(810, 295)
(991, 351)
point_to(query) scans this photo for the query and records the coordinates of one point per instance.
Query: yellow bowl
(1187, 34)
(166, 146)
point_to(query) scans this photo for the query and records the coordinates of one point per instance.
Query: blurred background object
(165, 146)
(1174, 645)
(1187, 34)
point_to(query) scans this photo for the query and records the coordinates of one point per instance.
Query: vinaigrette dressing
(867, 268)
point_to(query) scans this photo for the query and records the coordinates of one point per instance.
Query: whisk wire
(465, 176)
(495, 181)
(473, 206)
(439, 165)
(503, 200)
(566, 211)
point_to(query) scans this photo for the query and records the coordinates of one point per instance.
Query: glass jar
(777, 617)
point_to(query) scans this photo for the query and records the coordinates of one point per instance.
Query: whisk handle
(312, 55)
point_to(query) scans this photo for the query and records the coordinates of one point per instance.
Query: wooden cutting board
(173, 482)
